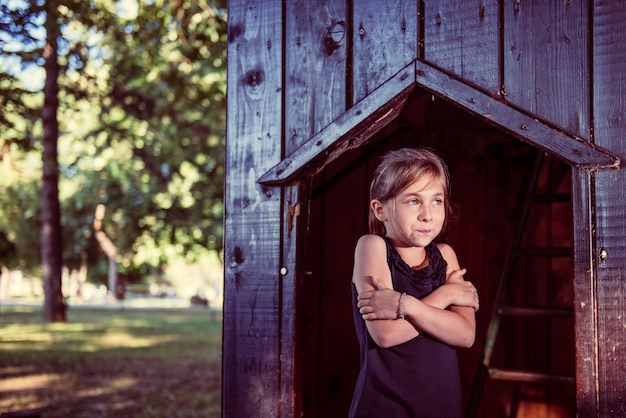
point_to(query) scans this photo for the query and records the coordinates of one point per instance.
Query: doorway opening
(490, 171)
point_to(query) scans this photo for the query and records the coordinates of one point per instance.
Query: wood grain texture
(546, 61)
(349, 130)
(462, 37)
(585, 291)
(609, 118)
(572, 150)
(251, 337)
(316, 44)
(384, 41)
(293, 240)
(549, 73)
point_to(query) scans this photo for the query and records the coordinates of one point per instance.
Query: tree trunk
(108, 248)
(51, 233)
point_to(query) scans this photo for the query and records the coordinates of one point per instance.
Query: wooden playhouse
(526, 101)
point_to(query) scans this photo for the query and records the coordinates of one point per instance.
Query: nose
(426, 214)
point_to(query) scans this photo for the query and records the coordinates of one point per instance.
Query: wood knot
(335, 34)
(253, 81)
(254, 78)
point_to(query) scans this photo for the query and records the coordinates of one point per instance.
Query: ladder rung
(546, 252)
(522, 311)
(552, 197)
(528, 376)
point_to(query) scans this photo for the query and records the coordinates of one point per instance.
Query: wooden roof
(368, 116)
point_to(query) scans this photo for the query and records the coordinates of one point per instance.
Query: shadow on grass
(104, 363)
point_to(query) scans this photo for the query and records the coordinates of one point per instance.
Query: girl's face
(416, 216)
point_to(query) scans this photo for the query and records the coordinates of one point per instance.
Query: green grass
(110, 363)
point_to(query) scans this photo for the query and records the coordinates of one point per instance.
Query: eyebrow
(438, 194)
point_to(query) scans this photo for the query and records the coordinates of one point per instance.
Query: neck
(415, 257)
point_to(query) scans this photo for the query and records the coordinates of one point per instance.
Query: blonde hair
(401, 168)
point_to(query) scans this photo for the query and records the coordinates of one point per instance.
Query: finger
(367, 312)
(368, 315)
(457, 275)
(365, 295)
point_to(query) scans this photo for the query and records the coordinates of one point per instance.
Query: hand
(380, 303)
(462, 293)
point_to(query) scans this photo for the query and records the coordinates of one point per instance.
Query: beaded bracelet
(401, 306)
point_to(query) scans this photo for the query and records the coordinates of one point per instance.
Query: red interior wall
(489, 171)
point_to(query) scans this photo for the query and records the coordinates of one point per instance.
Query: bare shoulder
(445, 248)
(448, 254)
(370, 242)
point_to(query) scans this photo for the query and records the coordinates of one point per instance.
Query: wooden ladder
(503, 309)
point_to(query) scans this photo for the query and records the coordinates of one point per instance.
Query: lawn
(110, 363)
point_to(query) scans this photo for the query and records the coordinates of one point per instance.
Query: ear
(378, 209)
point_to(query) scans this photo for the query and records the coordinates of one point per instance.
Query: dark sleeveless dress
(418, 378)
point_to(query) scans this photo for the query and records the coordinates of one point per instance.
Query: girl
(413, 305)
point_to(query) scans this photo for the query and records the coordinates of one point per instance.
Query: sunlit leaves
(142, 109)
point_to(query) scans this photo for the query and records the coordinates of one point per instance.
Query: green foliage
(142, 116)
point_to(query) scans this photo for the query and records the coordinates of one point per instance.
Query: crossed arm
(446, 314)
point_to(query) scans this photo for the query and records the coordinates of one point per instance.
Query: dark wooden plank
(584, 289)
(316, 44)
(546, 61)
(348, 131)
(611, 291)
(462, 37)
(571, 149)
(251, 381)
(316, 40)
(293, 239)
(384, 42)
(609, 116)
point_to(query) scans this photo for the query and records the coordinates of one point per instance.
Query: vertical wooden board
(384, 42)
(293, 239)
(251, 346)
(462, 37)
(546, 61)
(611, 291)
(316, 39)
(309, 308)
(584, 294)
(609, 106)
(609, 75)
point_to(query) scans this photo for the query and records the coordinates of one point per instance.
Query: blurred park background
(112, 120)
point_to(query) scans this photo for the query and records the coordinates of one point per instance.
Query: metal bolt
(604, 254)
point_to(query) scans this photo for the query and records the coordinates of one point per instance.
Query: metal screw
(604, 254)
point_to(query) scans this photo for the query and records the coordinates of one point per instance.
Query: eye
(438, 202)
(412, 202)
